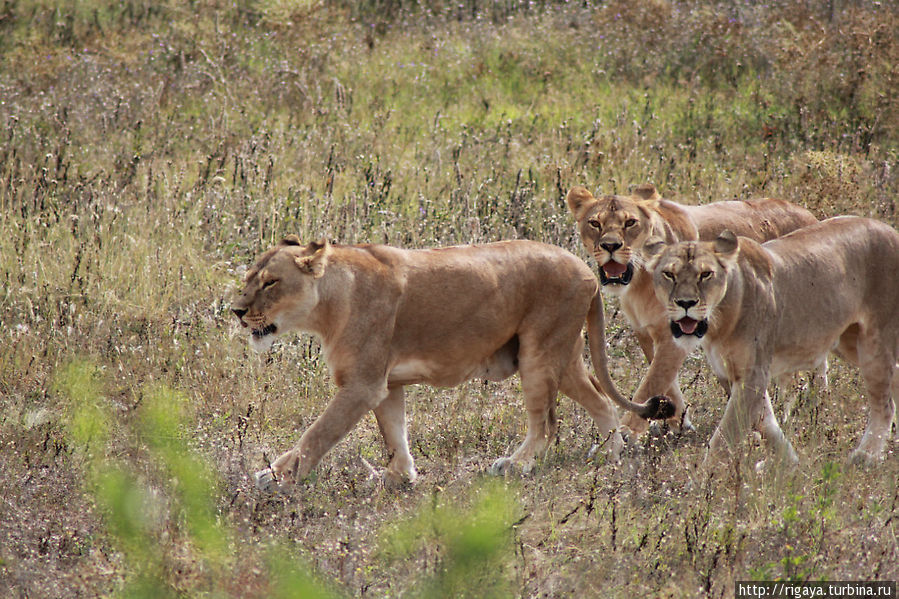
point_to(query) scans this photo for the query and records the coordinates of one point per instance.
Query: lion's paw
(266, 482)
(863, 459)
(507, 466)
(683, 426)
(398, 480)
(502, 467)
(636, 424)
(612, 448)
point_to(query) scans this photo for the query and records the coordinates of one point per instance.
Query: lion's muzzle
(259, 331)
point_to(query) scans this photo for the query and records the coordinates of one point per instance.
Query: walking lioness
(614, 228)
(760, 311)
(389, 317)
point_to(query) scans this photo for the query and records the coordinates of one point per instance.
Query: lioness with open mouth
(390, 317)
(760, 311)
(615, 227)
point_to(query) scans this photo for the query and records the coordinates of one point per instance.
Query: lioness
(614, 228)
(389, 317)
(763, 310)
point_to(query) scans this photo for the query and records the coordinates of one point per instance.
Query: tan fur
(389, 317)
(624, 223)
(783, 306)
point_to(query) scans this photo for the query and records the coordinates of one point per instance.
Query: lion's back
(758, 219)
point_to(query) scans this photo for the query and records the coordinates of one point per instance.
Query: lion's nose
(686, 304)
(610, 246)
(239, 312)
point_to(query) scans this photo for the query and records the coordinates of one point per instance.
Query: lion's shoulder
(678, 220)
(754, 258)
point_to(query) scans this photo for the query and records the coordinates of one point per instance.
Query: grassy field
(149, 151)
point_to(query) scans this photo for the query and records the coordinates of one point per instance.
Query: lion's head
(690, 279)
(280, 290)
(613, 228)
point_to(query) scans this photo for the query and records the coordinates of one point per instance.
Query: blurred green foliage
(473, 543)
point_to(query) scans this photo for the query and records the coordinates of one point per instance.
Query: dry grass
(149, 151)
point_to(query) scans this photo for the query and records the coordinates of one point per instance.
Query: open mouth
(613, 273)
(268, 329)
(689, 326)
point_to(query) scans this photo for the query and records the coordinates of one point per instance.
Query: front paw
(501, 467)
(506, 466)
(268, 482)
(612, 448)
(398, 480)
(393, 477)
(861, 458)
(635, 423)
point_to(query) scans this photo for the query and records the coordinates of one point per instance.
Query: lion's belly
(448, 373)
(408, 372)
(414, 371)
(787, 361)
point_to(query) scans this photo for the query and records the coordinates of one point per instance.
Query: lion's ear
(647, 191)
(646, 208)
(652, 249)
(579, 199)
(727, 247)
(316, 246)
(290, 240)
(316, 259)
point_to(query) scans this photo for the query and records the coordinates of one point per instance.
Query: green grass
(149, 152)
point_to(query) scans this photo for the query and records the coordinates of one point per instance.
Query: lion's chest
(640, 304)
(717, 362)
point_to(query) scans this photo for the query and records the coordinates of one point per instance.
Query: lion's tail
(596, 333)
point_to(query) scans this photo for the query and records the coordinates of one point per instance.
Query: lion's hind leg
(539, 385)
(881, 373)
(576, 384)
(391, 416)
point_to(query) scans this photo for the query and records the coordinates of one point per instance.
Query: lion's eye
(269, 283)
(668, 275)
(594, 223)
(705, 275)
(631, 222)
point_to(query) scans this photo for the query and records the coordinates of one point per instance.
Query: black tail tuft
(661, 407)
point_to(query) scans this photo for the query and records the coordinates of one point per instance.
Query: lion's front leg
(343, 412)
(748, 408)
(666, 358)
(774, 436)
(391, 415)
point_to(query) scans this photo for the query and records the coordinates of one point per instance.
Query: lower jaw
(612, 283)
